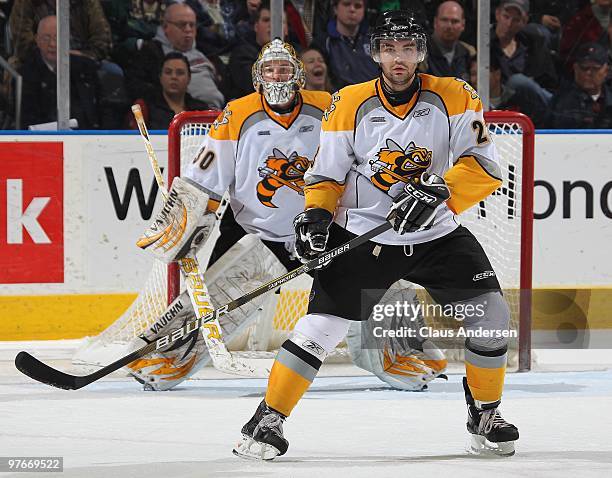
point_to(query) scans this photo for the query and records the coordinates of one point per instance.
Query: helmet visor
(387, 48)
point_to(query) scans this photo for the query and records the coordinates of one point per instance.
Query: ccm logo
(483, 275)
(420, 195)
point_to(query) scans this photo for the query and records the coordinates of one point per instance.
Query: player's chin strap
(222, 359)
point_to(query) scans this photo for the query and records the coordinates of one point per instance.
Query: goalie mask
(398, 35)
(278, 73)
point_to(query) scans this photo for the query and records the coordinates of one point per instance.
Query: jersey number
(204, 158)
(482, 135)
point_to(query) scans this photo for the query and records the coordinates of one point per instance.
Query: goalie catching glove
(181, 225)
(311, 233)
(415, 207)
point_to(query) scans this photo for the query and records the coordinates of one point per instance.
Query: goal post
(503, 224)
(183, 134)
(527, 131)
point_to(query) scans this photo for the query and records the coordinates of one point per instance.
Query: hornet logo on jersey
(394, 164)
(280, 171)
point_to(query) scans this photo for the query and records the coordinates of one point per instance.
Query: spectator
(39, 97)
(90, 40)
(239, 81)
(504, 97)
(216, 21)
(132, 23)
(247, 13)
(172, 97)
(315, 70)
(314, 17)
(177, 33)
(548, 17)
(90, 34)
(346, 44)
(526, 65)
(590, 24)
(588, 102)
(447, 56)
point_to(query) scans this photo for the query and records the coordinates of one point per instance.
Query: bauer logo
(31, 217)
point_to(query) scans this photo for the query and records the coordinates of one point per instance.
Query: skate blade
(250, 449)
(479, 445)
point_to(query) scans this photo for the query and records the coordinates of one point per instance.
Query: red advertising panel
(31, 212)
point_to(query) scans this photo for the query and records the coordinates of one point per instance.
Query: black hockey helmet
(397, 25)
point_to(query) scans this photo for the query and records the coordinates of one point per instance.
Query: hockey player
(411, 149)
(259, 149)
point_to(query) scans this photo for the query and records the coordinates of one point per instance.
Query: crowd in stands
(549, 58)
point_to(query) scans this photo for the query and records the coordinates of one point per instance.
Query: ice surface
(348, 426)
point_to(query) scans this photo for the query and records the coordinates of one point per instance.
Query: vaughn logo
(170, 314)
(483, 275)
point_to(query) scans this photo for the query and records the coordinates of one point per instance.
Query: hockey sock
(300, 357)
(485, 371)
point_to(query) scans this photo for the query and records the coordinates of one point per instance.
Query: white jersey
(369, 149)
(261, 157)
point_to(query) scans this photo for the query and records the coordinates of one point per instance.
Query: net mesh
(496, 222)
(152, 299)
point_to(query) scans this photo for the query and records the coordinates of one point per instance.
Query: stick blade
(34, 368)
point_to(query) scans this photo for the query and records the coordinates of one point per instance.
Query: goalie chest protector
(261, 157)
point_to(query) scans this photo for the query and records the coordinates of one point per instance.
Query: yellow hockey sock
(292, 373)
(485, 372)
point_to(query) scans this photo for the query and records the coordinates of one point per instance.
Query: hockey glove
(311, 232)
(415, 207)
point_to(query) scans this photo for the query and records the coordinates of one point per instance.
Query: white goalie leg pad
(325, 330)
(183, 222)
(247, 265)
(165, 369)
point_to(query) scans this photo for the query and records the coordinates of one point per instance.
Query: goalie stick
(34, 368)
(222, 359)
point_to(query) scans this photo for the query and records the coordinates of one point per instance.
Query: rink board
(107, 199)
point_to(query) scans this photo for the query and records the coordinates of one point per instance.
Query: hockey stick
(34, 368)
(222, 359)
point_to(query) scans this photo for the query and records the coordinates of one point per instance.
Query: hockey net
(502, 224)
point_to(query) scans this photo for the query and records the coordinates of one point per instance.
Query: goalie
(259, 148)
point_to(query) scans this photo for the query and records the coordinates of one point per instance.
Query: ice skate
(262, 435)
(490, 434)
